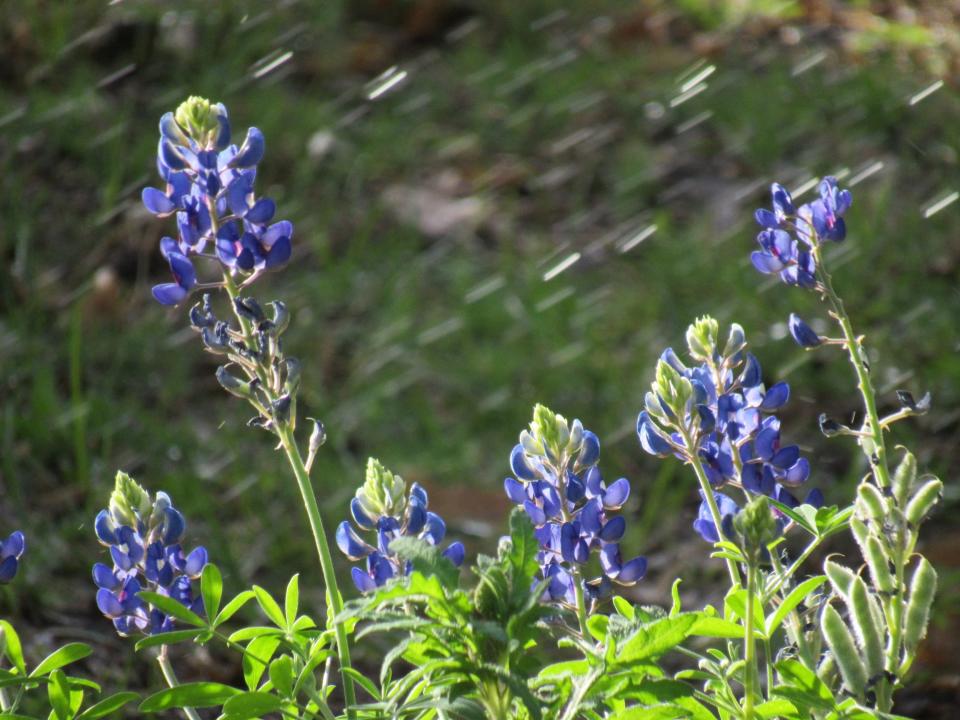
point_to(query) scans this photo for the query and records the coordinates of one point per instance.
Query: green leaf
(270, 607)
(675, 594)
(715, 627)
(797, 517)
(650, 712)
(211, 589)
(776, 709)
(654, 692)
(655, 638)
(523, 549)
(291, 601)
(623, 607)
(364, 682)
(173, 608)
(196, 695)
(427, 559)
(231, 608)
(14, 650)
(251, 705)
(281, 675)
(255, 631)
(58, 690)
(809, 690)
(597, 626)
(256, 658)
(736, 603)
(58, 658)
(167, 638)
(107, 706)
(796, 596)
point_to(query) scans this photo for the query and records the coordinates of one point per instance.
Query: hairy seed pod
(860, 533)
(923, 586)
(923, 500)
(870, 503)
(826, 669)
(904, 478)
(879, 564)
(844, 651)
(865, 627)
(840, 576)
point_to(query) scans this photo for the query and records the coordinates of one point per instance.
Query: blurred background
(496, 203)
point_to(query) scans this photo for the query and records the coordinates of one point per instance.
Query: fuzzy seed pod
(870, 503)
(844, 651)
(841, 577)
(865, 627)
(923, 586)
(879, 565)
(904, 478)
(923, 500)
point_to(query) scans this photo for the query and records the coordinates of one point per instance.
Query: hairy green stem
(288, 441)
(171, 677)
(750, 673)
(711, 501)
(876, 454)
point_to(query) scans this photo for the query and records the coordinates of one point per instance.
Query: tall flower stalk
(210, 189)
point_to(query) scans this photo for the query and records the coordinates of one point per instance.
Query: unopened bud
(702, 337)
(318, 436)
(129, 502)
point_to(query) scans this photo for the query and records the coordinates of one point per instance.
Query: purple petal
(455, 553)
(157, 202)
(632, 571)
(616, 495)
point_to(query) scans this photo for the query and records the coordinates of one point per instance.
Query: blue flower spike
(719, 412)
(143, 535)
(790, 234)
(383, 510)
(209, 187)
(558, 484)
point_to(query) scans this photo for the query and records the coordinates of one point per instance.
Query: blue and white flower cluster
(790, 234)
(143, 536)
(558, 484)
(720, 412)
(11, 550)
(210, 188)
(383, 506)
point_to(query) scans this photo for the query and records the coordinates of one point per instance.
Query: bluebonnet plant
(719, 415)
(790, 233)
(143, 535)
(11, 550)
(210, 187)
(557, 482)
(383, 506)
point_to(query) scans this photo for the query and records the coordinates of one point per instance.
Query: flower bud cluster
(382, 506)
(143, 535)
(210, 188)
(558, 484)
(790, 234)
(719, 413)
(11, 550)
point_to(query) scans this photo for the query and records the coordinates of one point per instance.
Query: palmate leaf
(523, 550)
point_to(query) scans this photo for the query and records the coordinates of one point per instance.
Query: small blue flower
(704, 523)
(827, 212)
(146, 555)
(803, 334)
(11, 550)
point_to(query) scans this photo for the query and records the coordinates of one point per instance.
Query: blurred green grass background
(440, 161)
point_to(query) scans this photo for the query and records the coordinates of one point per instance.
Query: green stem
(288, 441)
(326, 559)
(877, 455)
(750, 680)
(795, 624)
(4, 700)
(171, 677)
(711, 501)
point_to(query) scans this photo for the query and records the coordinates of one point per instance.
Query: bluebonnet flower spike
(557, 483)
(383, 506)
(143, 535)
(724, 410)
(210, 188)
(11, 550)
